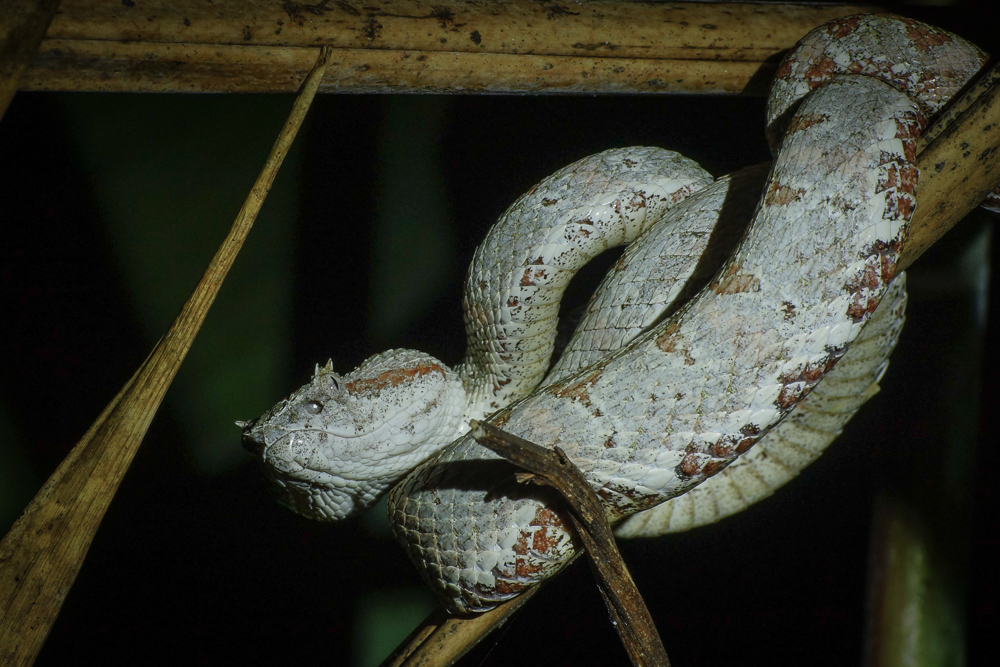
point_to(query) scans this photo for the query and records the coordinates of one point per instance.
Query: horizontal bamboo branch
(594, 46)
(959, 164)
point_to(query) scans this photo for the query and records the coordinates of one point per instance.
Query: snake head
(337, 444)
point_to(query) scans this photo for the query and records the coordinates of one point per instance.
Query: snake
(688, 391)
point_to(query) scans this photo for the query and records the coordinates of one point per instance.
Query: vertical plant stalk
(920, 574)
(916, 594)
(918, 552)
(42, 554)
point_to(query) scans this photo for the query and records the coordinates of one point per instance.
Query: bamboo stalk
(958, 167)
(42, 554)
(596, 46)
(443, 639)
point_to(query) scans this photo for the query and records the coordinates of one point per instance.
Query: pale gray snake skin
(677, 416)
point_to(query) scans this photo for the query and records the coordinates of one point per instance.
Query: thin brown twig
(551, 467)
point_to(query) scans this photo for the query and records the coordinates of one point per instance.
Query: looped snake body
(679, 414)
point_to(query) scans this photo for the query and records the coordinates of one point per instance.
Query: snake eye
(314, 407)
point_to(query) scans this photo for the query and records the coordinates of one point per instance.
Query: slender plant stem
(42, 554)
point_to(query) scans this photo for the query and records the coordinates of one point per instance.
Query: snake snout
(253, 438)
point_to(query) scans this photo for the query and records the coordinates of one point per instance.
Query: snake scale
(679, 411)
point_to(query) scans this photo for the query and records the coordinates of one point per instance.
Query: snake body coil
(650, 400)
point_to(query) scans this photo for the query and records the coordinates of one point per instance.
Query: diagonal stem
(44, 550)
(553, 468)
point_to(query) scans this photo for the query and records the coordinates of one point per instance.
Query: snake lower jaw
(321, 502)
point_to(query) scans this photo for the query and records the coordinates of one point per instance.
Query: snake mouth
(259, 438)
(252, 441)
(272, 445)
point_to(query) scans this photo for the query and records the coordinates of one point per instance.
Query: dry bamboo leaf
(42, 554)
(23, 24)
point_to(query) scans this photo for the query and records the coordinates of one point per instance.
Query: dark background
(111, 207)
